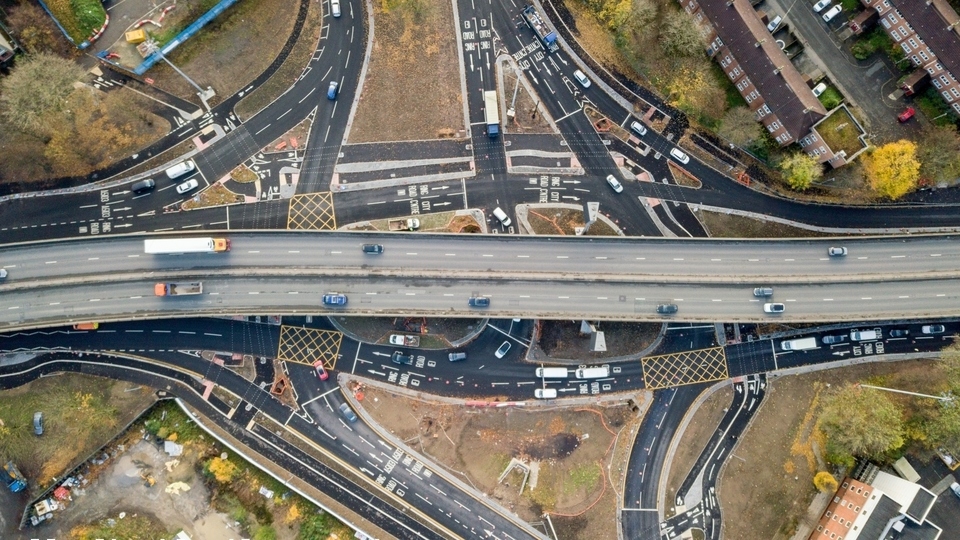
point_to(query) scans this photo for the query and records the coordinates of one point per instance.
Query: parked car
(831, 13)
(763, 292)
(819, 89)
(835, 338)
(955, 488)
(932, 329)
(837, 252)
(774, 308)
(38, 423)
(819, 6)
(899, 332)
(581, 78)
(502, 351)
(774, 24)
(479, 301)
(318, 369)
(348, 413)
(373, 249)
(335, 8)
(332, 90)
(399, 358)
(907, 114)
(667, 309)
(334, 299)
(614, 183)
(187, 186)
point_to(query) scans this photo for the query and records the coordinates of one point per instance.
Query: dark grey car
(348, 413)
(763, 292)
(836, 338)
(667, 309)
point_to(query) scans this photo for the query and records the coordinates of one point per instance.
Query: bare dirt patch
(572, 448)
(230, 51)
(562, 339)
(720, 225)
(434, 333)
(411, 89)
(564, 221)
(528, 119)
(775, 462)
(694, 439)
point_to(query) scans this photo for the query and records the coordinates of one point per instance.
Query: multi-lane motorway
(288, 273)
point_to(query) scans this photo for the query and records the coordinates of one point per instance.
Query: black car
(479, 301)
(836, 338)
(400, 358)
(666, 309)
(899, 332)
(373, 249)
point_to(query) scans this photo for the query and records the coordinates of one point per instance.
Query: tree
(939, 151)
(893, 169)
(680, 36)
(801, 170)
(314, 526)
(224, 471)
(861, 422)
(825, 482)
(739, 125)
(37, 91)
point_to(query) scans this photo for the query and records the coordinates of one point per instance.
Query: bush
(831, 98)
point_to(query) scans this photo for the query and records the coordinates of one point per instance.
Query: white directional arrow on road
(841, 353)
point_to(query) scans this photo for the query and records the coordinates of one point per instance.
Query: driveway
(866, 84)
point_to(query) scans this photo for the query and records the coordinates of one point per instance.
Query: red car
(321, 373)
(907, 114)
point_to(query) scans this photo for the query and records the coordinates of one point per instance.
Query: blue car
(334, 299)
(332, 91)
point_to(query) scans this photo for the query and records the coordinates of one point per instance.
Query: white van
(502, 216)
(552, 373)
(545, 393)
(593, 372)
(866, 335)
(180, 169)
(801, 344)
(638, 128)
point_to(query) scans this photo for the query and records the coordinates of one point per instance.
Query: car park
(906, 114)
(774, 24)
(335, 8)
(348, 413)
(457, 356)
(318, 369)
(143, 186)
(332, 90)
(837, 252)
(763, 292)
(614, 183)
(821, 5)
(373, 249)
(932, 329)
(899, 332)
(774, 308)
(479, 301)
(638, 128)
(667, 309)
(834, 338)
(187, 186)
(180, 169)
(581, 78)
(679, 155)
(334, 299)
(502, 351)
(399, 358)
(831, 13)
(818, 89)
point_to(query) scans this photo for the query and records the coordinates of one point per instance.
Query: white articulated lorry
(169, 246)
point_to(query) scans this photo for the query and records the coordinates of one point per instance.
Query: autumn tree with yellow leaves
(893, 169)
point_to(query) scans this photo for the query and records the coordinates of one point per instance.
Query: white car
(679, 155)
(581, 78)
(187, 186)
(335, 8)
(833, 12)
(818, 89)
(819, 6)
(774, 24)
(614, 183)
(180, 169)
